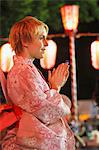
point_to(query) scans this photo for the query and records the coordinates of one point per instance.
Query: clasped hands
(58, 77)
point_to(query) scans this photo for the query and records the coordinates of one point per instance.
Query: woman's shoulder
(21, 67)
(16, 70)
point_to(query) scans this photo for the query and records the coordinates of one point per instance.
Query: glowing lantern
(95, 54)
(6, 57)
(70, 14)
(49, 59)
(83, 117)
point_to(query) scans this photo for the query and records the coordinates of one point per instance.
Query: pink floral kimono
(42, 125)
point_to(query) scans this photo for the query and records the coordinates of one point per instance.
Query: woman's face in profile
(38, 46)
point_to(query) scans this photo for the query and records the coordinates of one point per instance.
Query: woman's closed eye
(42, 37)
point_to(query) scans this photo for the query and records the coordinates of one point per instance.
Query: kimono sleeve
(26, 93)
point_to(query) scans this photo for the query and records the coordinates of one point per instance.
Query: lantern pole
(70, 14)
(73, 75)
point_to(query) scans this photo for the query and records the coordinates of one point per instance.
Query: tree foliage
(45, 10)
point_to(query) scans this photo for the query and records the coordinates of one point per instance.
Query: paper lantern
(83, 117)
(6, 57)
(70, 15)
(49, 59)
(95, 54)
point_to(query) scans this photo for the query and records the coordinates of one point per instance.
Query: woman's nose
(45, 42)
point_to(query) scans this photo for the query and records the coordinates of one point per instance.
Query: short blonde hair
(24, 31)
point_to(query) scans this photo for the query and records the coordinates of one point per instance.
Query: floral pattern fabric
(42, 125)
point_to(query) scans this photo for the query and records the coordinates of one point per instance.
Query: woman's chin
(40, 57)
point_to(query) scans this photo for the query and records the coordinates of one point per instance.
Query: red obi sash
(9, 114)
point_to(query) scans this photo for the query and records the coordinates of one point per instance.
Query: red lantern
(95, 54)
(6, 57)
(70, 14)
(49, 59)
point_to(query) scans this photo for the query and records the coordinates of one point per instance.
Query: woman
(42, 125)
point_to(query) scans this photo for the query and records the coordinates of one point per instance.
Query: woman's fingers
(59, 69)
(66, 72)
(59, 75)
(62, 70)
(53, 71)
(67, 75)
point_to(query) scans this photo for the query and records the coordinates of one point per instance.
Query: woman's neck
(25, 55)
